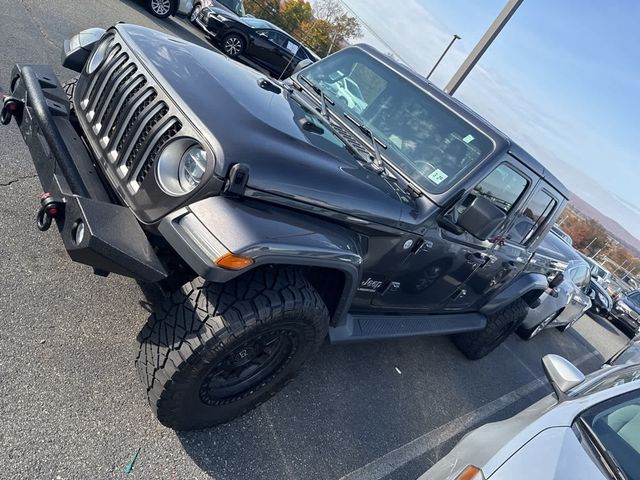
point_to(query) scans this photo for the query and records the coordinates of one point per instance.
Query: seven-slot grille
(129, 120)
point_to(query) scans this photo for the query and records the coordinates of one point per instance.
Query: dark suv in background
(626, 312)
(258, 42)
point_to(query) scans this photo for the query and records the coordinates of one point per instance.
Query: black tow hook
(50, 208)
(10, 107)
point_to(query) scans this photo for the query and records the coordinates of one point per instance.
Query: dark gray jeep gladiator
(275, 214)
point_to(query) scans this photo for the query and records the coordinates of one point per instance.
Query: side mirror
(481, 218)
(302, 64)
(562, 374)
(557, 280)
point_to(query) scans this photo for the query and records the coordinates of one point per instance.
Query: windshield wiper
(376, 143)
(324, 99)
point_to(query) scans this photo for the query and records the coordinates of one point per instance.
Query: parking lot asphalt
(71, 405)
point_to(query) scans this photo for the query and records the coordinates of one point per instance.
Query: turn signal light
(233, 262)
(471, 473)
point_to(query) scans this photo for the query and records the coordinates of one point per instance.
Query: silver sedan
(590, 429)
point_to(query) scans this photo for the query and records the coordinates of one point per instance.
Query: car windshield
(425, 140)
(257, 23)
(236, 6)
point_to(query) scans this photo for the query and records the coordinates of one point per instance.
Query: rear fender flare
(528, 286)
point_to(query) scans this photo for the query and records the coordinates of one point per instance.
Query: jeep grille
(126, 116)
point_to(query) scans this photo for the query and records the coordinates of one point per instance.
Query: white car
(348, 92)
(165, 8)
(588, 430)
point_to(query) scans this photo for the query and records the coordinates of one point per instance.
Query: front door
(512, 250)
(452, 271)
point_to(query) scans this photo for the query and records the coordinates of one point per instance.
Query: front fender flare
(527, 283)
(268, 234)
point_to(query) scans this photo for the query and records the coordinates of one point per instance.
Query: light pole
(484, 43)
(455, 37)
(590, 243)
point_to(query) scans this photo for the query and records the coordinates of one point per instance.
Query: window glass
(619, 377)
(504, 186)
(584, 276)
(616, 424)
(236, 6)
(425, 140)
(535, 215)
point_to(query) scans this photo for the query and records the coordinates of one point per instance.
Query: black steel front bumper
(113, 240)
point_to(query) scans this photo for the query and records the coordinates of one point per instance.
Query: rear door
(264, 50)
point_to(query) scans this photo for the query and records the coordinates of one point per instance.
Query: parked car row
(166, 8)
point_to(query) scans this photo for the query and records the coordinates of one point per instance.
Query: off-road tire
(500, 325)
(201, 327)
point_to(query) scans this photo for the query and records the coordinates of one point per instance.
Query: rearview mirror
(481, 218)
(562, 374)
(557, 280)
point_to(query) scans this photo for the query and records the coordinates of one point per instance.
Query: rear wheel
(500, 325)
(233, 45)
(213, 352)
(161, 8)
(529, 333)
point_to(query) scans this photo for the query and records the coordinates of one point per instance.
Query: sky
(562, 80)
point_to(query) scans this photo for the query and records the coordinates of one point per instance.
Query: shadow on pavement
(604, 323)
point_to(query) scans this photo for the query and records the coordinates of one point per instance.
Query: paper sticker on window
(468, 139)
(437, 176)
(292, 47)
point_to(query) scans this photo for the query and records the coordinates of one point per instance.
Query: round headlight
(98, 56)
(192, 167)
(181, 166)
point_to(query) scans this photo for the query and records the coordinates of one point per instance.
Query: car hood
(245, 123)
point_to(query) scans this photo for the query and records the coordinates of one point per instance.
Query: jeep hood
(245, 123)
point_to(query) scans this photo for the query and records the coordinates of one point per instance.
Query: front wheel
(233, 45)
(500, 325)
(215, 351)
(161, 8)
(197, 8)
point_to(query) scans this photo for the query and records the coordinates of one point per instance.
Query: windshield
(425, 140)
(236, 6)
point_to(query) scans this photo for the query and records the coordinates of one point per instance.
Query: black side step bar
(360, 328)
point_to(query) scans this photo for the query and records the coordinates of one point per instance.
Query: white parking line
(432, 440)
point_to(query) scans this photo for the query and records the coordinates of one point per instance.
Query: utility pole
(482, 46)
(455, 37)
